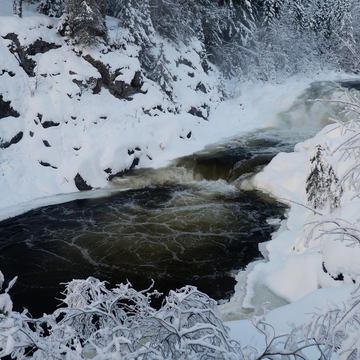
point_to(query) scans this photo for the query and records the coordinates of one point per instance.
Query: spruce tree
(161, 75)
(82, 22)
(322, 186)
(52, 8)
(134, 15)
(271, 9)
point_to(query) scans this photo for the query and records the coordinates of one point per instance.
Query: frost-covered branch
(102, 323)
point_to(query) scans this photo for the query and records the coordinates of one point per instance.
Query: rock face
(81, 184)
(66, 114)
(14, 140)
(119, 89)
(6, 109)
(21, 54)
(40, 47)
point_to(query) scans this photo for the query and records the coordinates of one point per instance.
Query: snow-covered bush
(120, 323)
(337, 330)
(104, 324)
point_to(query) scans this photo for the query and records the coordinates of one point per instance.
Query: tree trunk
(103, 8)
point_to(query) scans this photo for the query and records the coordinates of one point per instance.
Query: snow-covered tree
(161, 74)
(52, 8)
(271, 9)
(134, 15)
(17, 7)
(82, 22)
(330, 19)
(322, 185)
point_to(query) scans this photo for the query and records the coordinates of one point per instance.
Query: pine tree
(161, 75)
(170, 20)
(322, 184)
(52, 8)
(134, 15)
(299, 16)
(270, 10)
(82, 22)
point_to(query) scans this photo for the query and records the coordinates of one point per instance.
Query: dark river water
(187, 224)
(192, 225)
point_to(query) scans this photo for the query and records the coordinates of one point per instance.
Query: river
(189, 223)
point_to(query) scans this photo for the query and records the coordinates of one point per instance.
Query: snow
(5, 304)
(95, 132)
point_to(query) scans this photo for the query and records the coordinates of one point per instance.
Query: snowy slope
(56, 123)
(72, 120)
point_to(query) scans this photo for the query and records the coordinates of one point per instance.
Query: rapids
(188, 223)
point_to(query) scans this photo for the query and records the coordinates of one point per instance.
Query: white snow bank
(286, 317)
(315, 248)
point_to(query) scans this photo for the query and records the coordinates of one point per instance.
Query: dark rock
(81, 184)
(40, 47)
(339, 277)
(101, 68)
(118, 174)
(46, 143)
(185, 62)
(46, 124)
(91, 83)
(10, 73)
(189, 135)
(46, 164)
(200, 86)
(14, 140)
(197, 112)
(135, 163)
(121, 173)
(20, 53)
(119, 89)
(49, 123)
(6, 109)
(137, 81)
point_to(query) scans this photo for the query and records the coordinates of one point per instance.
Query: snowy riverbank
(312, 262)
(61, 134)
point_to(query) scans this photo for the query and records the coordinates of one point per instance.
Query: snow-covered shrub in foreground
(120, 323)
(106, 324)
